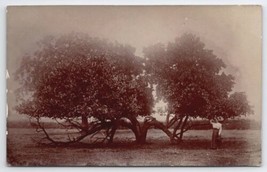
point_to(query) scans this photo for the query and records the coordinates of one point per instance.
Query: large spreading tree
(84, 83)
(94, 85)
(191, 79)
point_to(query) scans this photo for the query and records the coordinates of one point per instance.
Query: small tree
(191, 80)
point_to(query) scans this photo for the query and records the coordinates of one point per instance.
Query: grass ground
(240, 148)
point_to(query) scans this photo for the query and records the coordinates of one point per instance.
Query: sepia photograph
(138, 86)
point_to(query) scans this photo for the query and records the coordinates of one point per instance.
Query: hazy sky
(233, 32)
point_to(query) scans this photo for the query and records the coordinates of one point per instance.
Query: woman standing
(216, 134)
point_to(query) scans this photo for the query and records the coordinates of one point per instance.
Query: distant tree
(191, 80)
(74, 78)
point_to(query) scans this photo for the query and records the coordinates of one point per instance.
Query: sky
(234, 33)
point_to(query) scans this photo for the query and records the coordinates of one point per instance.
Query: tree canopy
(75, 77)
(191, 79)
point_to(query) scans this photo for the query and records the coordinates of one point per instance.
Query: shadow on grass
(184, 145)
(205, 144)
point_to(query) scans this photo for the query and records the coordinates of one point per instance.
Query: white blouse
(217, 125)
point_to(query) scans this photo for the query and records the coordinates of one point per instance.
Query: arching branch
(93, 129)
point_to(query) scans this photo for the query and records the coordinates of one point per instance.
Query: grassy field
(240, 148)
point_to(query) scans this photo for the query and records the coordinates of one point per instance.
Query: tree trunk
(143, 133)
(132, 125)
(183, 125)
(85, 124)
(177, 127)
(135, 127)
(169, 122)
(112, 132)
(157, 125)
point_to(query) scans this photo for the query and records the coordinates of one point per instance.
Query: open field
(240, 148)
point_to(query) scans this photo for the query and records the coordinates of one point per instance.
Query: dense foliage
(75, 77)
(191, 79)
(78, 76)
